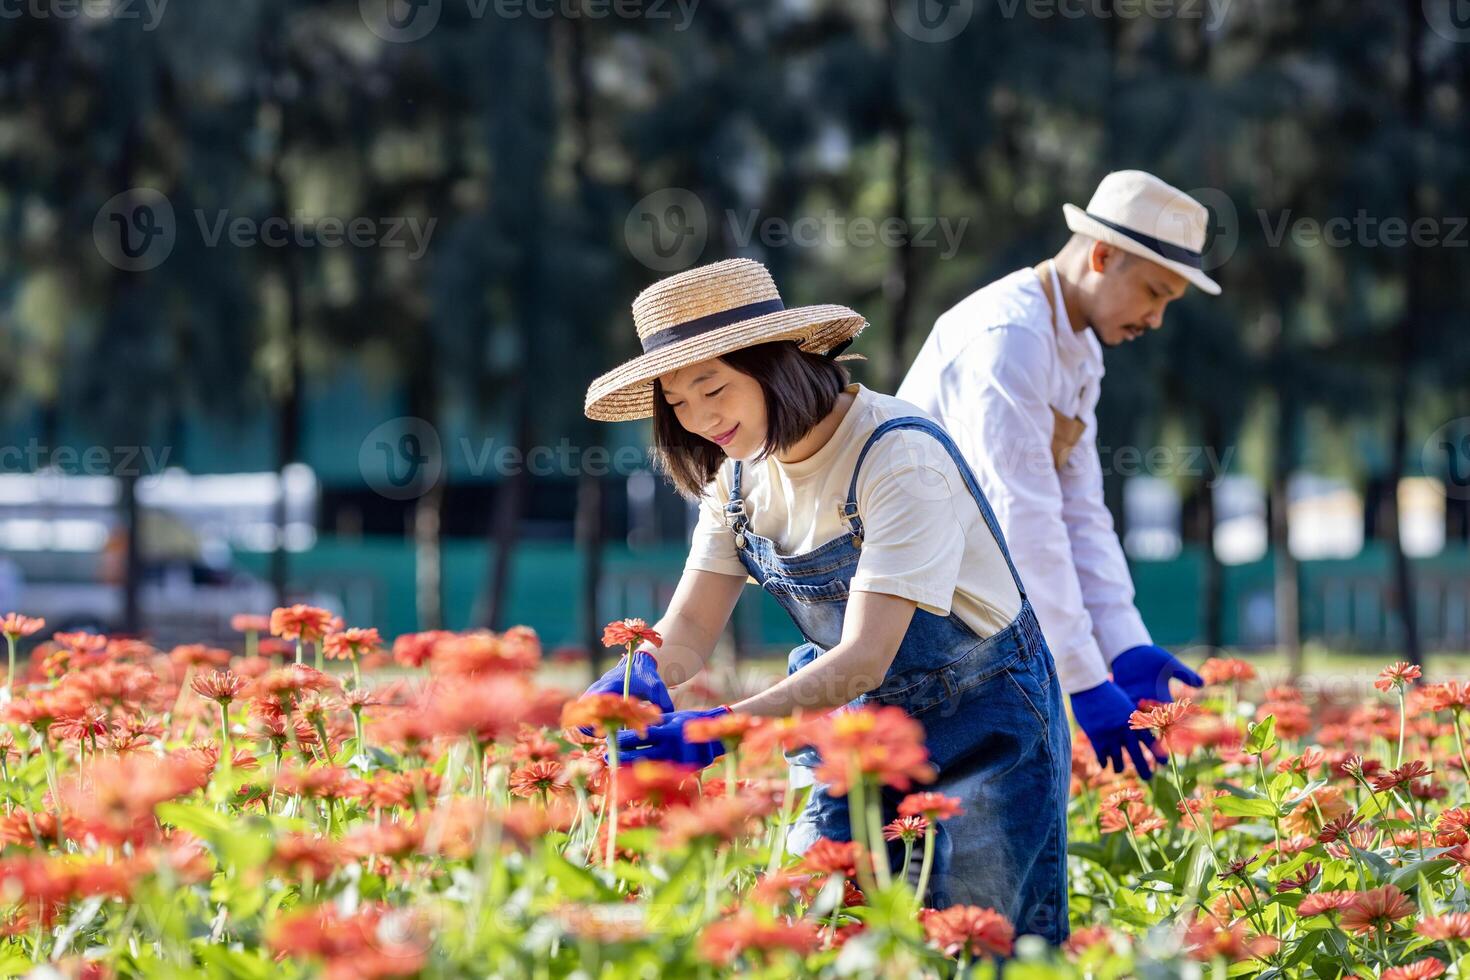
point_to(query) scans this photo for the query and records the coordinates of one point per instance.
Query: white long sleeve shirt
(991, 371)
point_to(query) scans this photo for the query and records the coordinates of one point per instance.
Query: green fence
(1346, 603)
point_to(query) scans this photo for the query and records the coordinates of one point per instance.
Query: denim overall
(992, 714)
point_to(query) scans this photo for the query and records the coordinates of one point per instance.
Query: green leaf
(1409, 872)
(1261, 736)
(1232, 806)
(1382, 870)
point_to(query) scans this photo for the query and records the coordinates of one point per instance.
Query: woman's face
(716, 402)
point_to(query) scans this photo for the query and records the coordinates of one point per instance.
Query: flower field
(320, 803)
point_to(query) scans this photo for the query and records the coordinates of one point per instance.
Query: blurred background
(299, 301)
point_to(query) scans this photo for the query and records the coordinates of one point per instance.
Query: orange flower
(221, 687)
(604, 713)
(352, 643)
(1328, 801)
(1208, 940)
(1379, 908)
(931, 806)
(43, 709)
(827, 856)
(724, 941)
(905, 828)
(1452, 925)
(1222, 670)
(1163, 719)
(1426, 969)
(624, 632)
(250, 623)
(416, 649)
(882, 742)
(375, 941)
(658, 783)
(713, 820)
(730, 729)
(300, 622)
(491, 708)
(969, 929)
(544, 777)
(1395, 778)
(14, 625)
(1397, 676)
(1448, 696)
(1325, 903)
(483, 652)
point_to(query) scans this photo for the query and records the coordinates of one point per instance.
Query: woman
(859, 515)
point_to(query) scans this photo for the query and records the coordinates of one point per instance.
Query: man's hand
(666, 740)
(644, 683)
(1103, 712)
(1145, 671)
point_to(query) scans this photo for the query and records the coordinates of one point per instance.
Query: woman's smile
(726, 437)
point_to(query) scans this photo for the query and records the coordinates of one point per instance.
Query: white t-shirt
(924, 537)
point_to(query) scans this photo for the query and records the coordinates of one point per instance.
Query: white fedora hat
(705, 312)
(1141, 214)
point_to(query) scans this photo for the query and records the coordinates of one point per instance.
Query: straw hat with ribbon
(702, 313)
(1139, 213)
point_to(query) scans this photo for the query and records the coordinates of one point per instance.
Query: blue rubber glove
(666, 740)
(645, 683)
(1102, 712)
(1145, 672)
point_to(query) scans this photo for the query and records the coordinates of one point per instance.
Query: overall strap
(849, 510)
(735, 508)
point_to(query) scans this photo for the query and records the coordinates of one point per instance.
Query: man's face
(1130, 295)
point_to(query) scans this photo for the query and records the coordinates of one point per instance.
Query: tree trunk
(899, 284)
(132, 619)
(428, 557)
(505, 531)
(1287, 589)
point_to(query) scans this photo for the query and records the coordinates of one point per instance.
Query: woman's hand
(871, 633)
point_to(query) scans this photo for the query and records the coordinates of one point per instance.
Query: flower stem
(628, 671)
(927, 865)
(612, 789)
(10, 673)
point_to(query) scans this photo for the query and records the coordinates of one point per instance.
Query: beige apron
(1065, 430)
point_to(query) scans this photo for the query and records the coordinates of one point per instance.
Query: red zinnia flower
(832, 857)
(14, 625)
(1397, 777)
(1163, 719)
(221, 687)
(1301, 879)
(905, 828)
(415, 649)
(1233, 943)
(483, 652)
(300, 622)
(375, 941)
(621, 632)
(1396, 675)
(491, 708)
(1221, 670)
(724, 941)
(351, 643)
(931, 806)
(713, 820)
(1452, 925)
(604, 712)
(544, 777)
(730, 729)
(1321, 903)
(1379, 908)
(970, 929)
(250, 623)
(883, 742)
(1448, 696)
(1425, 969)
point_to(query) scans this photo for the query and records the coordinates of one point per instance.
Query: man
(1013, 372)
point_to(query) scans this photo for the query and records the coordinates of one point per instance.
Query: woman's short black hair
(801, 389)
